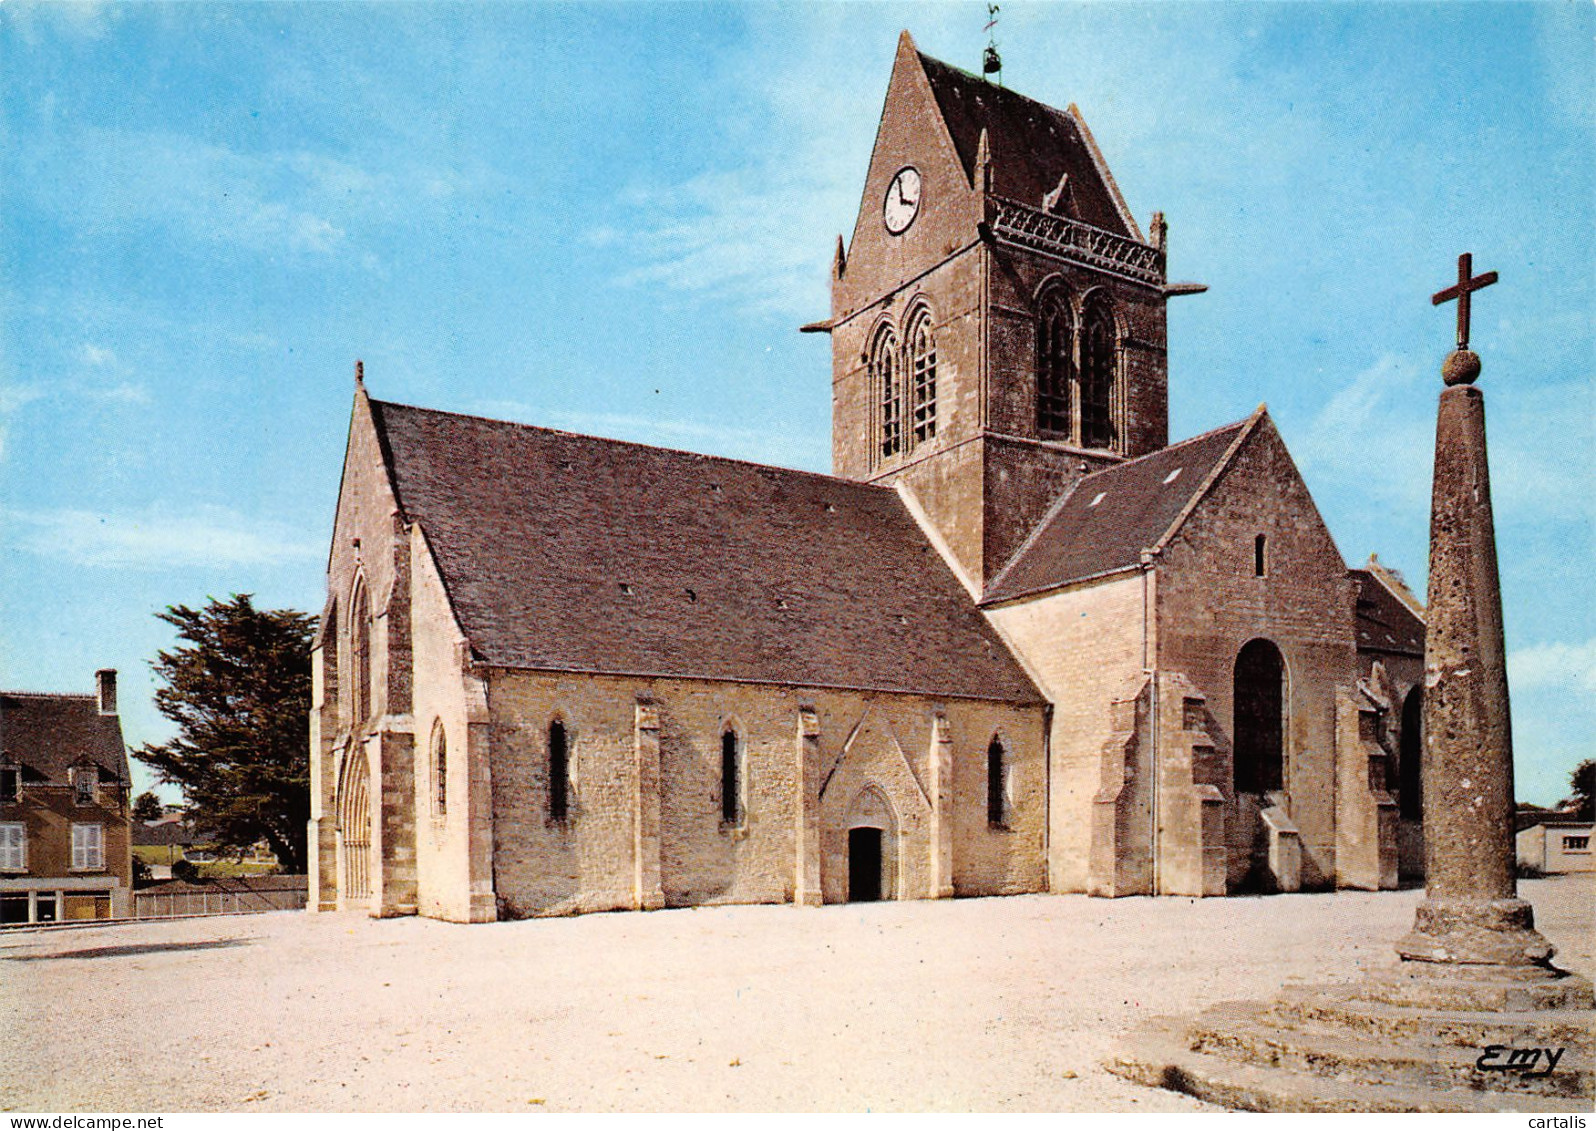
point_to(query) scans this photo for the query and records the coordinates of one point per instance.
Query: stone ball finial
(1461, 367)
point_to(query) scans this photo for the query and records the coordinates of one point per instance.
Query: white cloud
(757, 233)
(90, 354)
(13, 398)
(160, 538)
(1374, 412)
(123, 392)
(1554, 665)
(782, 447)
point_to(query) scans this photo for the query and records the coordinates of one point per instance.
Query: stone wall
(614, 841)
(1210, 604)
(369, 544)
(1084, 648)
(454, 833)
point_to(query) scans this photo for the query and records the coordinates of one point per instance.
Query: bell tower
(997, 319)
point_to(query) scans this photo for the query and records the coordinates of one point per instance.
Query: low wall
(221, 897)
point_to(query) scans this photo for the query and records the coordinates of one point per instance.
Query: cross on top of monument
(1465, 286)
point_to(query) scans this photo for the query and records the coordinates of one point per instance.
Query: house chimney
(105, 680)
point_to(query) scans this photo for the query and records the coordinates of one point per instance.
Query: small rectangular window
(1576, 844)
(88, 847)
(85, 785)
(1260, 546)
(10, 783)
(13, 848)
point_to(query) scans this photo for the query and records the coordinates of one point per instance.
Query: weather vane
(991, 62)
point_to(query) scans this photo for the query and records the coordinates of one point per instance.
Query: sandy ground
(982, 1004)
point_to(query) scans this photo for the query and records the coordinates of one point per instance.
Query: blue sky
(612, 218)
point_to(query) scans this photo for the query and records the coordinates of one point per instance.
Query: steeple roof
(1033, 147)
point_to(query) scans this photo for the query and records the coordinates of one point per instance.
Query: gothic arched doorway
(872, 847)
(1260, 719)
(1258, 748)
(1410, 787)
(354, 830)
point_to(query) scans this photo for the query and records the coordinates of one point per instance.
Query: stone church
(1016, 642)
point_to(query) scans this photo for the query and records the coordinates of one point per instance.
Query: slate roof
(1105, 522)
(48, 734)
(568, 552)
(1382, 621)
(1033, 145)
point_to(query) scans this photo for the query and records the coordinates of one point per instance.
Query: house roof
(568, 552)
(1384, 621)
(49, 734)
(1103, 524)
(1032, 145)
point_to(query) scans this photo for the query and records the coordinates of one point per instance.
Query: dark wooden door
(864, 865)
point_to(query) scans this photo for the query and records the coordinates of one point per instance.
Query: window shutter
(87, 846)
(13, 846)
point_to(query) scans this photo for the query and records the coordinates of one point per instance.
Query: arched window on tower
(885, 379)
(360, 646)
(1055, 365)
(1098, 370)
(923, 377)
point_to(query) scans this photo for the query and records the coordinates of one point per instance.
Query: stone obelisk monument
(1471, 913)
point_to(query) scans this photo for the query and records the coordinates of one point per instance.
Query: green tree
(147, 807)
(1583, 783)
(238, 689)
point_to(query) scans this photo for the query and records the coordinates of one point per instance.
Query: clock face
(902, 203)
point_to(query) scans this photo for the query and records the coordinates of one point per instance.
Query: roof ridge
(1167, 448)
(1006, 90)
(1220, 465)
(1393, 583)
(838, 479)
(86, 696)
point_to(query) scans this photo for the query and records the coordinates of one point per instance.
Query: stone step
(1249, 1031)
(1493, 989)
(1159, 1055)
(1334, 1006)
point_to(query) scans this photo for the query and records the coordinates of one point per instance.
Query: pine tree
(147, 807)
(239, 692)
(1583, 784)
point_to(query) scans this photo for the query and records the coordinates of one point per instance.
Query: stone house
(1017, 641)
(1556, 847)
(65, 842)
